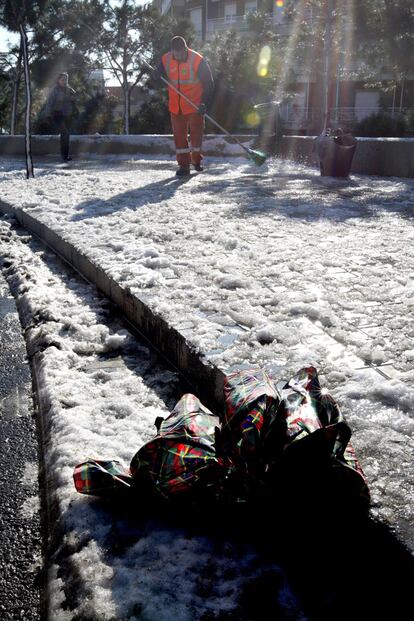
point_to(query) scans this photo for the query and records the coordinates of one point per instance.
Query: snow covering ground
(102, 391)
(274, 267)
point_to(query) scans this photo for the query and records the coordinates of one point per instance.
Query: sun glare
(264, 60)
(291, 49)
(252, 118)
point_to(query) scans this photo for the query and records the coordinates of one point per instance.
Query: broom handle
(210, 118)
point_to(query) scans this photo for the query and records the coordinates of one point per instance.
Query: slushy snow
(277, 268)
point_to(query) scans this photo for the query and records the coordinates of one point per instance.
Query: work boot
(198, 167)
(183, 171)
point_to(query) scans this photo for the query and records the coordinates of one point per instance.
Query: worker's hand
(156, 75)
(202, 108)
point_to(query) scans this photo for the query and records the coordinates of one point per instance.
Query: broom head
(258, 157)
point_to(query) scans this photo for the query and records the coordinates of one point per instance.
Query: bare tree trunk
(126, 104)
(28, 108)
(16, 85)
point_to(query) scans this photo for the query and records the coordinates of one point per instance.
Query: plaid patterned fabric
(251, 401)
(265, 423)
(98, 478)
(182, 456)
(310, 411)
(305, 408)
(266, 433)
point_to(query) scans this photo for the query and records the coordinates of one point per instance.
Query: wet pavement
(20, 533)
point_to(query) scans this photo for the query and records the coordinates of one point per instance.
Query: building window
(366, 103)
(230, 11)
(250, 7)
(196, 18)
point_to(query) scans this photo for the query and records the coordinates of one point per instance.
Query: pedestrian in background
(190, 73)
(60, 110)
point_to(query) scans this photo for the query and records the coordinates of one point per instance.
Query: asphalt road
(20, 532)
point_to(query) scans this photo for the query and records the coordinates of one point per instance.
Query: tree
(55, 46)
(11, 70)
(16, 15)
(44, 39)
(363, 38)
(121, 42)
(5, 81)
(112, 31)
(244, 74)
(385, 32)
(318, 46)
(121, 35)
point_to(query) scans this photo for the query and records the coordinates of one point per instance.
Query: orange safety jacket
(183, 75)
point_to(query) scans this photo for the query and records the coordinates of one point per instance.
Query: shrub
(153, 117)
(380, 125)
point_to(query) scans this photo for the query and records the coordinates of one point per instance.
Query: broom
(258, 157)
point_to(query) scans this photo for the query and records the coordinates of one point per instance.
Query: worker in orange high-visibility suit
(190, 73)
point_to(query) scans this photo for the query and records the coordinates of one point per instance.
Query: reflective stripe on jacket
(183, 75)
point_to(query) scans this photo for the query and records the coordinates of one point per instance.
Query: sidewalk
(272, 267)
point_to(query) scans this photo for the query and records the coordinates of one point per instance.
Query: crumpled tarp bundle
(288, 438)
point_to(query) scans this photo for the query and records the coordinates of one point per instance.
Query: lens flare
(263, 63)
(252, 118)
(280, 4)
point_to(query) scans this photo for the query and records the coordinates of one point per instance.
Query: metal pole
(307, 103)
(339, 71)
(393, 99)
(206, 21)
(338, 85)
(401, 94)
(327, 61)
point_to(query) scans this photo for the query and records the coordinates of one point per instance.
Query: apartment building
(212, 16)
(349, 99)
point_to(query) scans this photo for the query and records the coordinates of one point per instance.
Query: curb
(214, 145)
(205, 378)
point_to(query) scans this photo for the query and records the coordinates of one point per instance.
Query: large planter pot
(335, 154)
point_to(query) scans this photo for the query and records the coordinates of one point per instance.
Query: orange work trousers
(181, 125)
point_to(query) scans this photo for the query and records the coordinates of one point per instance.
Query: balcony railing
(349, 115)
(231, 22)
(296, 117)
(240, 23)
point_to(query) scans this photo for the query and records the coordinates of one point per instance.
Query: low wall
(98, 144)
(388, 157)
(203, 377)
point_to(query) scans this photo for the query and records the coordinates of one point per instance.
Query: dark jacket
(61, 101)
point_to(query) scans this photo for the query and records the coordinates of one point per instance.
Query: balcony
(240, 24)
(222, 24)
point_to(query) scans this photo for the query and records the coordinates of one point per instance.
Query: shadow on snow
(337, 566)
(302, 195)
